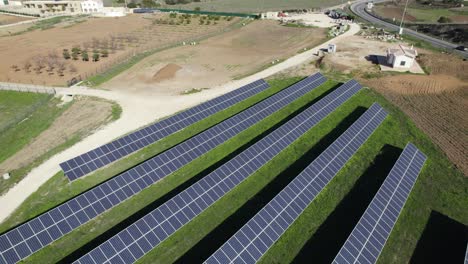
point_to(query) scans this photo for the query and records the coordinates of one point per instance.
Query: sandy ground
(311, 19)
(7, 19)
(81, 119)
(216, 60)
(137, 111)
(131, 34)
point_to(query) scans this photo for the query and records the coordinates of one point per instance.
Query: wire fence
(30, 88)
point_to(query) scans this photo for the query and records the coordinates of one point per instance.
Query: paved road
(359, 9)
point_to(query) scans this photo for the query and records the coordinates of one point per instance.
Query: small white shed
(401, 57)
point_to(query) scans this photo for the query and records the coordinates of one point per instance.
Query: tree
(197, 9)
(66, 54)
(132, 5)
(95, 56)
(84, 56)
(443, 19)
(104, 53)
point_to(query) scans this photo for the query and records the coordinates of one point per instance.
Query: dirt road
(137, 112)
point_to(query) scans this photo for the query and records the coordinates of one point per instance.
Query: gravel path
(137, 112)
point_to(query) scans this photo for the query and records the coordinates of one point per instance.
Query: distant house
(401, 57)
(91, 6)
(63, 7)
(269, 15)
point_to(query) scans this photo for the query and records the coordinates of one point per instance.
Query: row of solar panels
(41, 231)
(148, 232)
(259, 234)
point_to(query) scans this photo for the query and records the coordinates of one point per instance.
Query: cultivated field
(35, 127)
(255, 6)
(436, 103)
(216, 60)
(38, 56)
(7, 19)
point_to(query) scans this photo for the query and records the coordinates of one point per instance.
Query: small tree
(84, 56)
(74, 56)
(104, 53)
(197, 8)
(76, 50)
(66, 54)
(27, 66)
(443, 19)
(95, 56)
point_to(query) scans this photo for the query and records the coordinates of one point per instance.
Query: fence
(167, 10)
(30, 88)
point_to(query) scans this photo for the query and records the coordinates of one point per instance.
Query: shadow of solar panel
(79, 210)
(254, 239)
(373, 229)
(110, 152)
(155, 227)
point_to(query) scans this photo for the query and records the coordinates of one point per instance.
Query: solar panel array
(466, 254)
(148, 232)
(110, 152)
(254, 239)
(35, 234)
(373, 229)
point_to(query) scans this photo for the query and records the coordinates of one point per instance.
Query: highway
(359, 9)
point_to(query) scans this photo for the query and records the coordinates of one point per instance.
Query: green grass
(43, 199)
(24, 116)
(49, 23)
(440, 187)
(27, 115)
(425, 14)
(254, 6)
(85, 233)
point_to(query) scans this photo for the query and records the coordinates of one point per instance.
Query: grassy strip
(43, 199)
(397, 130)
(87, 232)
(101, 78)
(18, 174)
(440, 187)
(16, 137)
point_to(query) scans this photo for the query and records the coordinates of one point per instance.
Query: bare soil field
(393, 12)
(38, 55)
(217, 60)
(7, 19)
(82, 118)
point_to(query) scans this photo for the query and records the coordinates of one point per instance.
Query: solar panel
(52, 225)
(148, 232)
(254, 239)
(110, 152)
(373, 229)
(466, 254)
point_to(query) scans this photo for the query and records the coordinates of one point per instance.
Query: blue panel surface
(103, 155)
(254, 239)
(191, 202)
(368, 238)
(87, 205)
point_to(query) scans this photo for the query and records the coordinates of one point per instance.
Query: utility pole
(403, 18)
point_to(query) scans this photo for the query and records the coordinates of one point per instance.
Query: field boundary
(29, 88)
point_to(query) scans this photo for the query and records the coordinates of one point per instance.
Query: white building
(269, 15)
(401, 57)
(92, 6)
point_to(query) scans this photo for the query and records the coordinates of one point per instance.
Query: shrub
(66, 54)
(85, 56)
(443, 19)
(95, 56)
(104, 53)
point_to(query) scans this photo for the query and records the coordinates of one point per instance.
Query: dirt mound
(167, 72)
